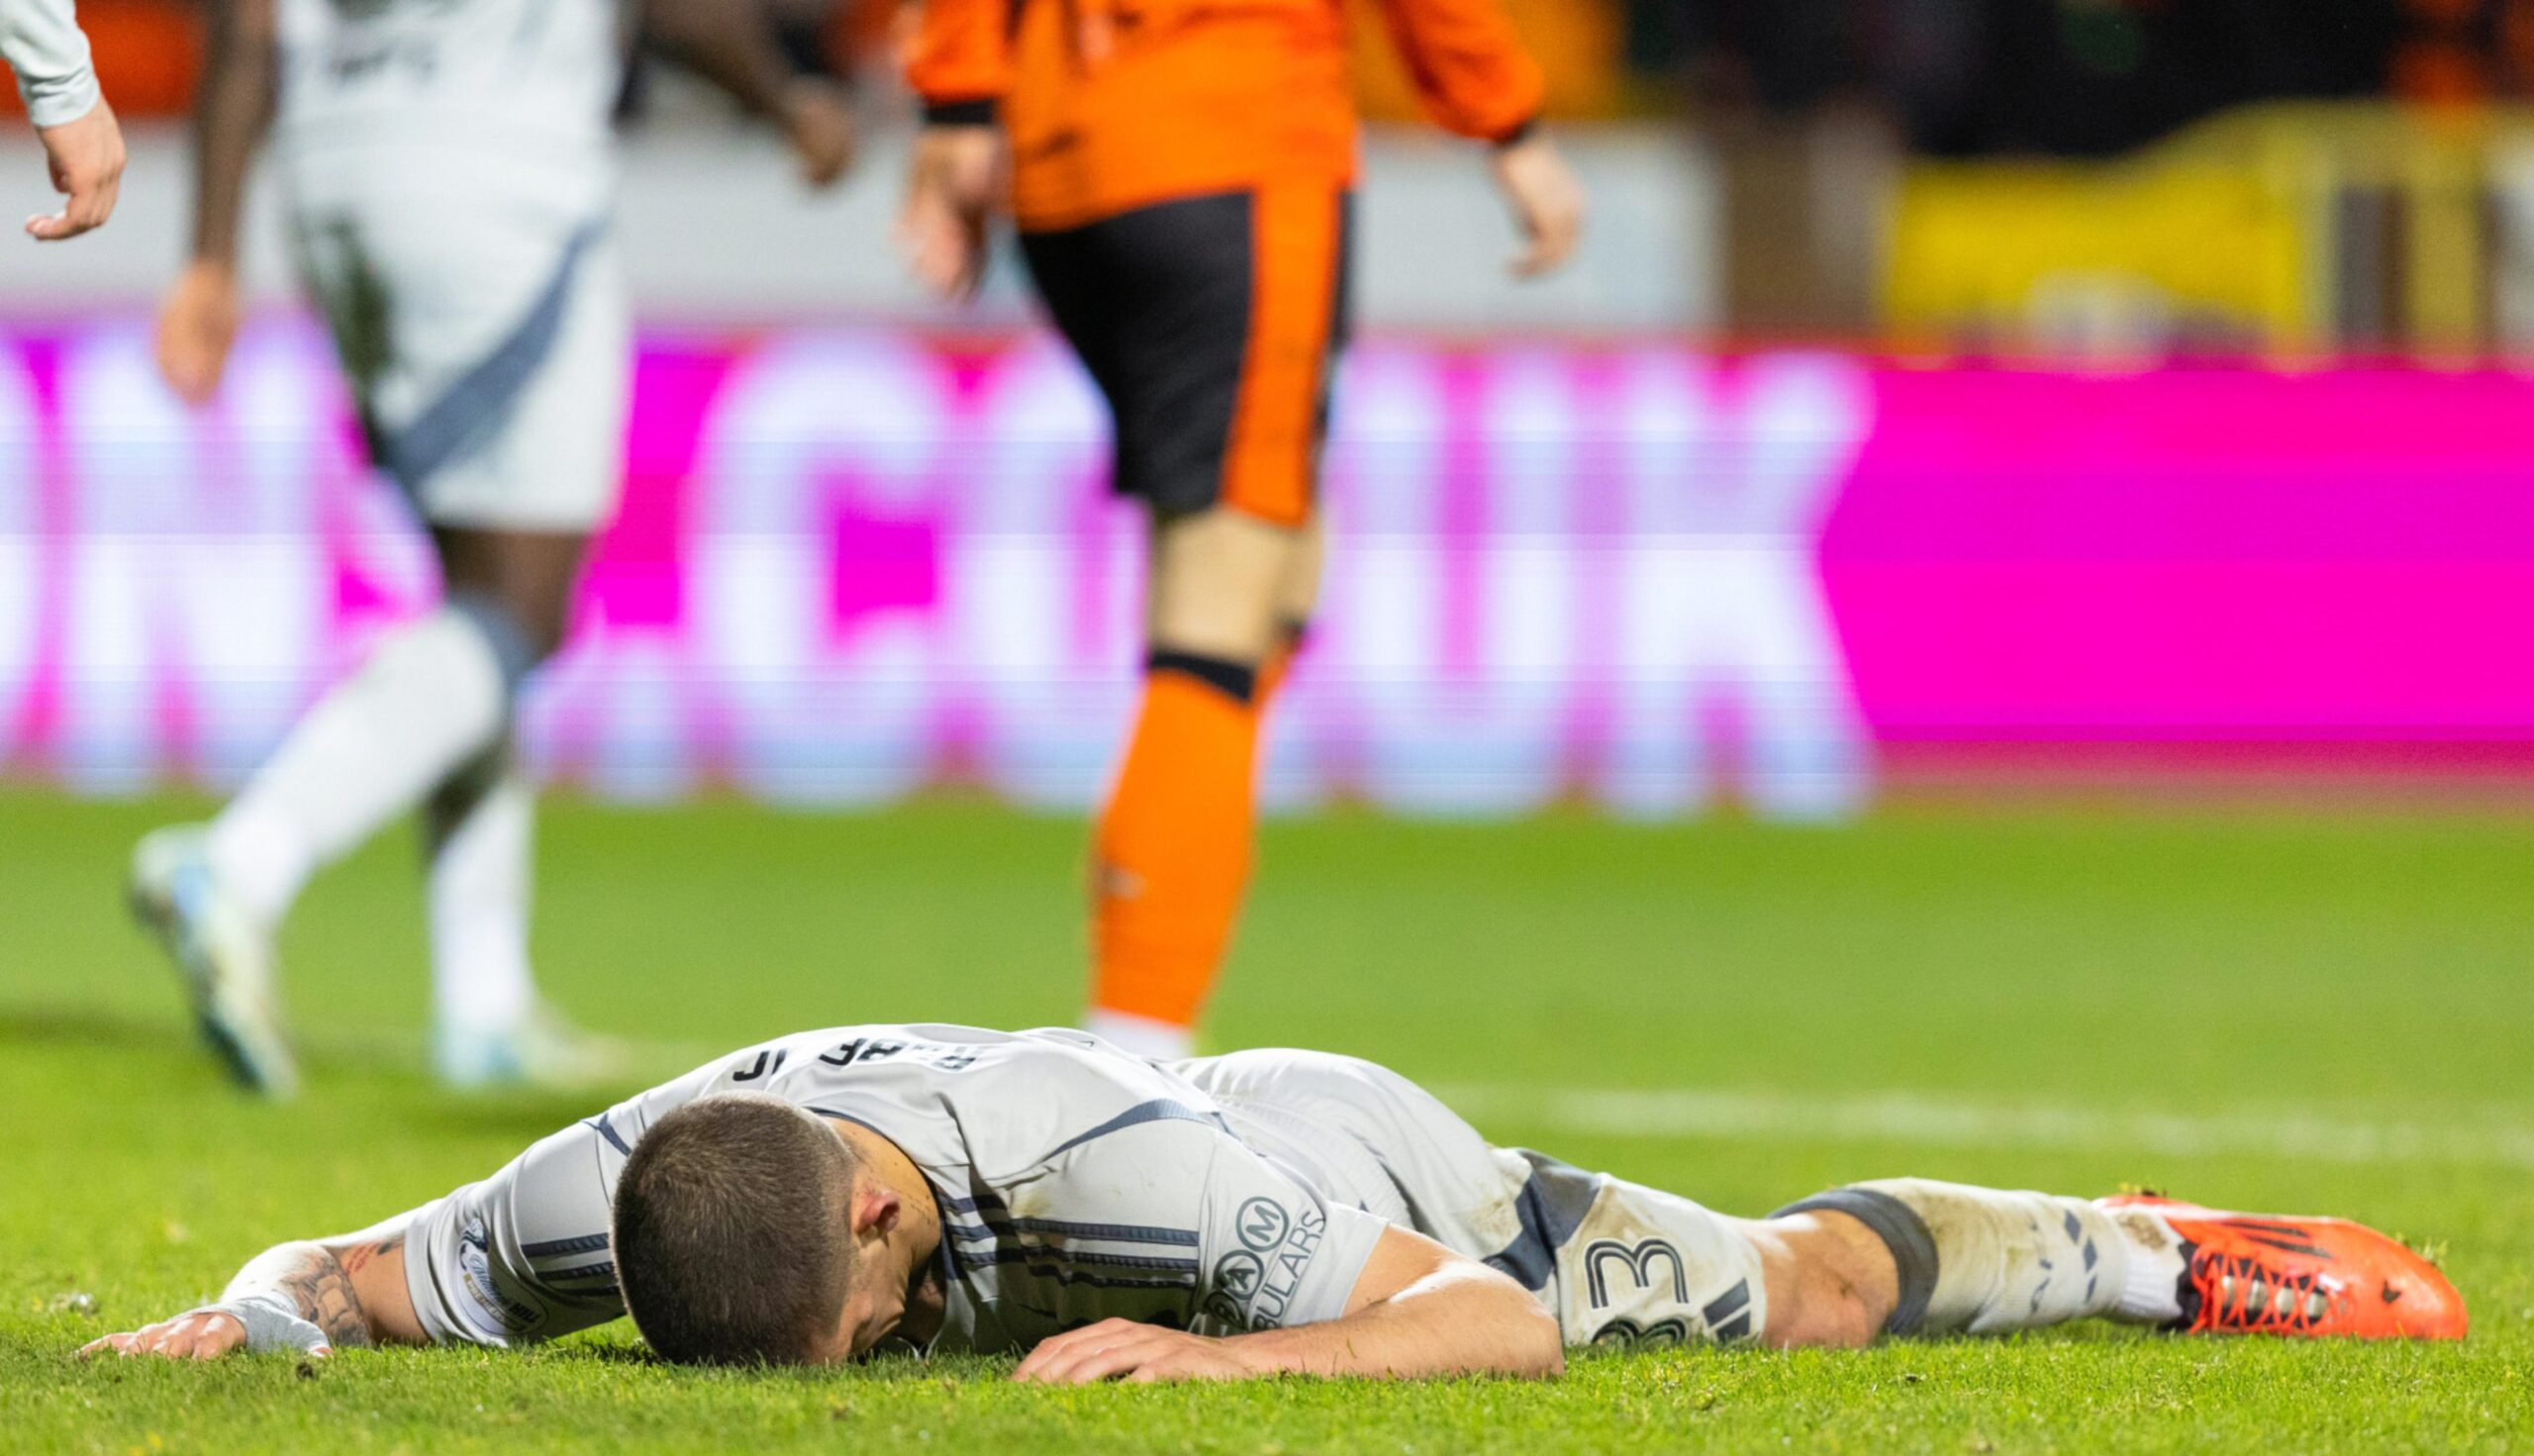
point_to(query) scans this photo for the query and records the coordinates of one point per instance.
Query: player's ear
(874, 1212)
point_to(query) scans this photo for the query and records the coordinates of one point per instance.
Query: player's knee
(1826, 1287)
(516, 585)
(518, 641)
(1218, 584)
(455, 798)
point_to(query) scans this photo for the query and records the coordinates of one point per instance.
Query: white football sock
(2007, 1261)
(432, 696)
(480, 867)
(2152, 1294)
(1144, 1036)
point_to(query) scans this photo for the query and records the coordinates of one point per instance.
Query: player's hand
(1138, 1354)
(196, 325)
(86, 159)
(1547, 200)
(200, 1334)
(819, 126)
(950, 193)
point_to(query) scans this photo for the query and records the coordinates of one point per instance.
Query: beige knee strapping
(1222, 583)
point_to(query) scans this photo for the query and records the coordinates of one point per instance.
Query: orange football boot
(2252, 1273)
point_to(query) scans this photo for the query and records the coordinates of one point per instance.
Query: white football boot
(545, 1051)
(222, 950)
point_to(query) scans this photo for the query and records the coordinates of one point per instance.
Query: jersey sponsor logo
(495, 1313)
(1254, 1287)
(1238, 1274)
(1222, 1307)
(1263, 1223)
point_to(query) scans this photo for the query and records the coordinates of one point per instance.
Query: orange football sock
(1172, 856)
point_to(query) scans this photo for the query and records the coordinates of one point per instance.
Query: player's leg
(1625, 1264)
(445, 355)
(512, 525)
(1614, 1262)
(1987, 1261)
(478, 828)
(1296, 599)
(433, 694)
(1914, 1256)
(1210, 326)
(478, 843)
(1173, 849)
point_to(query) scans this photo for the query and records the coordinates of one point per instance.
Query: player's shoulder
(996, 1101)
(1081, 1109)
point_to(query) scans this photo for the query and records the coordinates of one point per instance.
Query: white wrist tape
(272, 1322)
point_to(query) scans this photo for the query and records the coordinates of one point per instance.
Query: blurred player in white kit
(448, 171)
(82, 146)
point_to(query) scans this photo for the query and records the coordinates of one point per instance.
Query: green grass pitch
(2290, 1011)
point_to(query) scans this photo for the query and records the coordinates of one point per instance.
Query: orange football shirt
(1116, 104)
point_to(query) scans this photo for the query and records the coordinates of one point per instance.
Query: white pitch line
(1918, 1117)
(1896, 1116)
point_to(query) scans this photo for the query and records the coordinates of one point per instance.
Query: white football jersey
(534, 79)
(1075, 1182)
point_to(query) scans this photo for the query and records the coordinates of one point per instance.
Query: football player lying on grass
(834, 1194)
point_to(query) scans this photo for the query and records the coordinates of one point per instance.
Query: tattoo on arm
(323, 1287)
(319, 1280)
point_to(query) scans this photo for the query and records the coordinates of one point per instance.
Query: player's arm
(518, 1257)
(1298, 1284)
(312, 1297)
(959, 62)
(233, 110)
(731, 45)
(83, 146)
(1474, 77)
(1418, 1309)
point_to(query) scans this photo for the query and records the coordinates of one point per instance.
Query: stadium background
(2079, 446)
(2082, 387)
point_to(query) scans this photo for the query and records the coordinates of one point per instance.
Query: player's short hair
(732, 1239)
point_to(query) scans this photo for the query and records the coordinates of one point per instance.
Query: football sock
(434, 694)
(1172, 854)
(1980, 1261)
(1160, 1041)
(481, 830)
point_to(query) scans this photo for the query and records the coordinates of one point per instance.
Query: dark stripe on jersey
(605, 1271)
(587, 1243)
(1552, 1206)
(604, 1130)
(1724, 1306)
(468, 414)
(1023, 1253)
(1160, 1110)
(995, 1226)
(1056, 1274)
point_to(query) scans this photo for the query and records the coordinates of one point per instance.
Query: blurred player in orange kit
(1180, 175)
